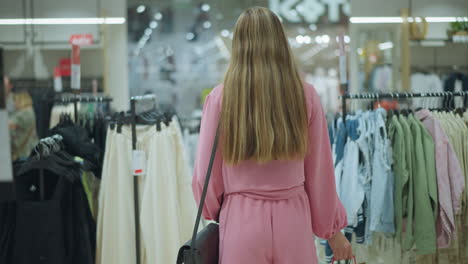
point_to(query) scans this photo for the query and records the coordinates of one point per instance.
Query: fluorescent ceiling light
(63, 21)
(158, 16)
(358, 20)
(140, 9)
(153, 24)
(385, 45)
(375, 20)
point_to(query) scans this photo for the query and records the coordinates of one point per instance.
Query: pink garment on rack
(270, 211)
(450, 179)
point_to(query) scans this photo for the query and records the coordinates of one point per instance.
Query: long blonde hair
(263, 115)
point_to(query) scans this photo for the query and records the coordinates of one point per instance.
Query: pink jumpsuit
(270, 212)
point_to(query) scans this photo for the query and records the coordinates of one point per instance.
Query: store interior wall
(199, 64)
(421, 56)
(33, 52)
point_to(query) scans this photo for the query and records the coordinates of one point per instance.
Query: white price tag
(75, 76)
(139, 162)
(58, 84)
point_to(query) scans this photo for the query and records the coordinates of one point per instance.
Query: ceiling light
(372, 20)
(325, 39)
(300, 39)
(63, 21)
(153, 24)
(360, 51)
(225, 33)
(443, 19)
(307, 40)
(385, 45)
(313, 27)
(140, 9)
(318, 39)
(190, 36)
(158, 16)
(206, 24)
(148, 31)
(347, 39)
(205, 7)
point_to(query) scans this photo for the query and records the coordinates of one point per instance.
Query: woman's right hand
(341, 247)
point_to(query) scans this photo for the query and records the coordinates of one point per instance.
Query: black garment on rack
(100, 132)
(59, 229)
(78, 143)
(42, 106)
(449, 86)
(7, 230)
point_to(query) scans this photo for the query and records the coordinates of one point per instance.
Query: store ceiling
(223, 15)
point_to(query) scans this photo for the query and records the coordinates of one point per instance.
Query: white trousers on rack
(167, 207)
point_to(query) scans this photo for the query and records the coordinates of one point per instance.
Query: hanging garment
(91, 185)
(59, 228)
(402, 174)
(77, 142)
(425, 189)
(270, 212)
(408, 187)
(450, 180)
(167, 208)
(7, 230)
(381, 200)
(352, 196)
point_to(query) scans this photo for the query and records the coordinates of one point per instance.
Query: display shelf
(436, 42)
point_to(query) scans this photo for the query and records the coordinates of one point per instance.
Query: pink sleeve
(209, 124)
(328, 213)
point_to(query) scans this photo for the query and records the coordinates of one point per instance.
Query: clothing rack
(133, 101)
(394, 96)
(75, 99)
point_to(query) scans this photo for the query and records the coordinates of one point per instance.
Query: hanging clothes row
(167, 208)
(84, 139)
(403, 175)
(77, 105)
(51, 220)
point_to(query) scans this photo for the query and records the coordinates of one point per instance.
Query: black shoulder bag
(203, 248)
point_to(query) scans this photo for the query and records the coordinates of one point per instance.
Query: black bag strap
(205, 190)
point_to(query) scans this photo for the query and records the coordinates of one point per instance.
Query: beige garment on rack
(167, 208)
(57, 110)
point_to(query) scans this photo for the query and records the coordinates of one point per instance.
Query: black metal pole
(343, 107)
(135, 185)
(75, 109)
(344, 90)
(2, 89)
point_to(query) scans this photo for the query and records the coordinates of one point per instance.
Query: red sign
(65, 66)
(57, 71)
(81, 39)
(75, 68)
(75, 58)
